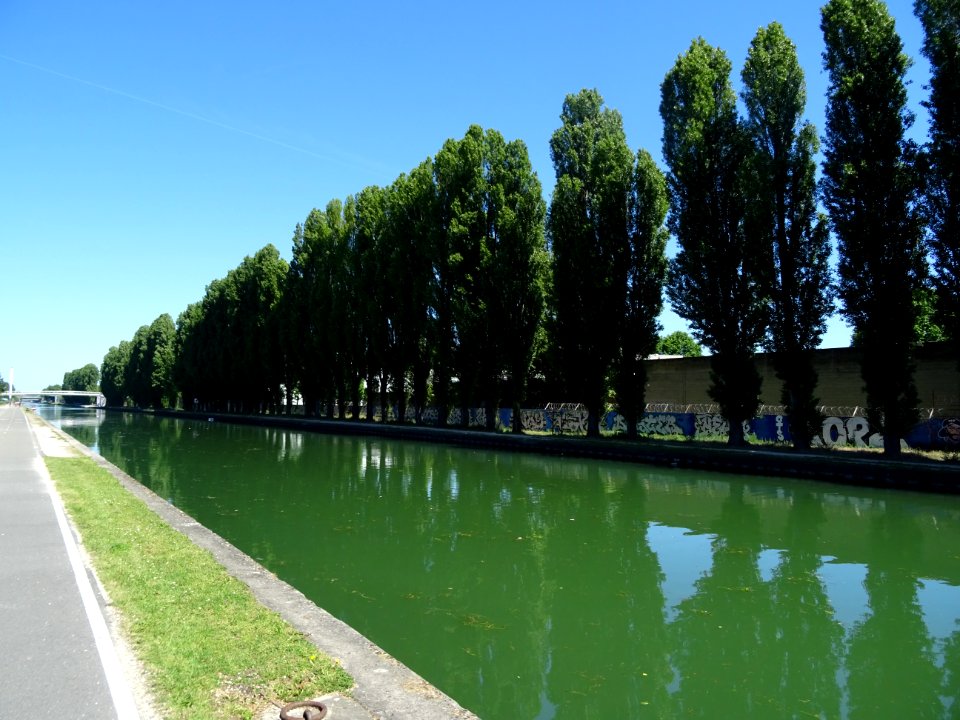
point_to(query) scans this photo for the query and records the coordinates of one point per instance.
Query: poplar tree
(519, 266)
(588, 227)
(111, 374)
(784, 218)
(410, 236)
(494, 262)
(869, 189)
(188, 364)
(716, 280)
(643, 296)
(367, 257)
(941, 26)
(312, 270)
(460, 308)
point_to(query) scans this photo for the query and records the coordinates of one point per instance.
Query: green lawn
(210, 649)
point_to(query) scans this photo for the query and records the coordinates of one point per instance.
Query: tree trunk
(401, 395)
(516, 421)
(631, 419)
(593, 422)
(891, 445)
(736, 437)
(384, 399)
(370, 414)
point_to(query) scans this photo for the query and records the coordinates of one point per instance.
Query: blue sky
(146, 148)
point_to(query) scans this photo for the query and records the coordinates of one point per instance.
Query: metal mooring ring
(307, 705)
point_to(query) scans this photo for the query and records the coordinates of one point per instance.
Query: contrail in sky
(177, 111)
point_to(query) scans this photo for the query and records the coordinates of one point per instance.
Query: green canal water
(534, 587)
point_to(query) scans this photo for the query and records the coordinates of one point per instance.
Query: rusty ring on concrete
(307, 704)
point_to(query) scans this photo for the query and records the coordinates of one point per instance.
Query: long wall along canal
(530, 587)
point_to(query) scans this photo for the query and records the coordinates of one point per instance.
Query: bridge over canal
(56, 396)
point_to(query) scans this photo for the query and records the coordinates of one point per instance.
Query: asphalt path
(56, 656)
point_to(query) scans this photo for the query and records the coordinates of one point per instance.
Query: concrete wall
(684, 381)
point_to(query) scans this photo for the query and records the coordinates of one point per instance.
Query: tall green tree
(410, 236)
(442, 328)
(643, 296)
(941, 46)
(463, 187)
(716, 280)
(370, 260)
(85, 378)
(149, 375)
(869, 189)
(495, 262)
(256, 286)
(519, 268)
(313, 270)
(188, 368)
(785, 219)
(588, 229)
(136, 376)
(678, 343)
(161, 340)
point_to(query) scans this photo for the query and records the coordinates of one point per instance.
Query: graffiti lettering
(574, 421)
(619, 423)
(533, 420)
(950, 432)
(943, 433)
(660, 424)
(710, 425)
(843, 431)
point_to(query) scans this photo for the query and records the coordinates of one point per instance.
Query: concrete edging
(384, 687)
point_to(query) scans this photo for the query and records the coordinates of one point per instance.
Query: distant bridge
(96, 397)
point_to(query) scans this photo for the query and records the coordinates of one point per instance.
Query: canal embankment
(381, 686)
(857, 468)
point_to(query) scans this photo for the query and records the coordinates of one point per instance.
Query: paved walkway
(55, 650)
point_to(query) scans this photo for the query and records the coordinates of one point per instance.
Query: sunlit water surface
(534, 587)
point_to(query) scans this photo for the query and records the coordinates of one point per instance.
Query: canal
(533, 588)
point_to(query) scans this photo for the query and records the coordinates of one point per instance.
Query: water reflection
(529, 587)
(892, 647)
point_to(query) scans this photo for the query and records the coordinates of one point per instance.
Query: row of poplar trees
(456, 284)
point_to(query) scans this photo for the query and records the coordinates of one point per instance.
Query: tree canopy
(784, 218)
(678, 343)
(941, 25)
(86, 378)
(870, 190)
(588, 227)
(717, 277)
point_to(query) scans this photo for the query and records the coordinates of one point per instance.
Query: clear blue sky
(146, 148)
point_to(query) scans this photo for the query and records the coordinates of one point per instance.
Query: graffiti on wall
(949, 432)
(710, 425)
(854, 431)
(535, 420)
(659, 424)
(847, 431)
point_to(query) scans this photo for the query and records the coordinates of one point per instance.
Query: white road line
(123, 700)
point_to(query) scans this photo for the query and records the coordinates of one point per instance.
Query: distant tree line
(85, 379)
(457, 286)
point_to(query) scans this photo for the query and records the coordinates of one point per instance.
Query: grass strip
(210, 649)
